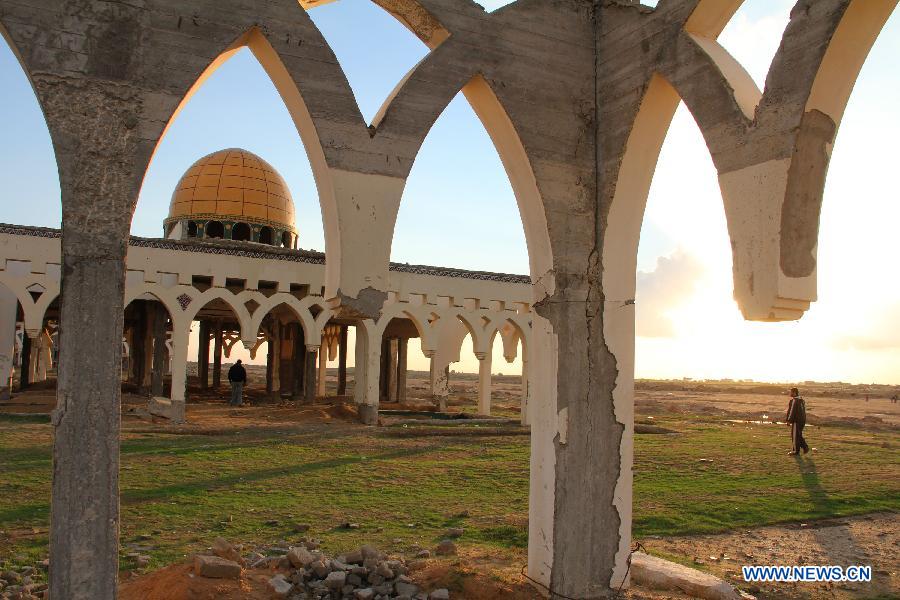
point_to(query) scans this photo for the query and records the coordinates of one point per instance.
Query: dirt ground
(865, 540)
(771, 407)
(472, 576)
(480, 575)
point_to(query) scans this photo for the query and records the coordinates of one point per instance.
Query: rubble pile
(303, 572)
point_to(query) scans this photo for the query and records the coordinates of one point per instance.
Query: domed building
(232, 194)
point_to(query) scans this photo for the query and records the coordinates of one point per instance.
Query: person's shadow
(836, 541)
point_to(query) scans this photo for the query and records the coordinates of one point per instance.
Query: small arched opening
(287, 239)
(240, 232)
(192, 229)
(266, 236)
(215, 229)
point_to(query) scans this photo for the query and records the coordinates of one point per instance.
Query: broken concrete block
(660, 574)
(216, 567)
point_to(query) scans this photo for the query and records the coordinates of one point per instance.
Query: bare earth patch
(866, 540)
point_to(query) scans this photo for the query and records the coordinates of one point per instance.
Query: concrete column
(217, 355)
(309, 375)
(276, 360)
(384, 376)
(37, 373)
(270, 356)
(84, 506)
(203, 355)
(299, 366)
(159, 350)
(342, 362)
(392, 369)
(440, 384)
(484, 384)
(525, 396)
(25, 362)
(402, 353)
(8, 308)
(323, 372)
(366, 372)
(150, 315)
(180, 338)
(139, 346)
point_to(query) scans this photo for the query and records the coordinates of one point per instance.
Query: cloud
(659, 291)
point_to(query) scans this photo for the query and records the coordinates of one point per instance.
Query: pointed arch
(35, 140)
(419, 317)
(288, 88)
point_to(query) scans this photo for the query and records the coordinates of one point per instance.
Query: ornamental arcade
(576, 95)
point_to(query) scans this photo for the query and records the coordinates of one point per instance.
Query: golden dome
(233, 185)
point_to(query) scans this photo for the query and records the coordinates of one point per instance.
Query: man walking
(796, 418)
(237, 377)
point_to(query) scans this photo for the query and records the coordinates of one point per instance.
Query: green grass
(182, 491)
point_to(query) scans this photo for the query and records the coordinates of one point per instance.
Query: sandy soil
(771, 406)
(867, 540)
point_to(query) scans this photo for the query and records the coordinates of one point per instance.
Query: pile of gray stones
(299, 572)
(303, 572)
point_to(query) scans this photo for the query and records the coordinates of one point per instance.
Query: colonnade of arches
(300, 333)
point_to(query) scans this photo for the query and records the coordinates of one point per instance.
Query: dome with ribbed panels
(236, 188)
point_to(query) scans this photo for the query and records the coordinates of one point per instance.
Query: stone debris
(280, 587)
(216, 567)
(222, 549)
(660, 574)
(306, 573)
(17, 583)
(446, 548)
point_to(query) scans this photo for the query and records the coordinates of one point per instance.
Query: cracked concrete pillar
(484, 384)
(84, 519)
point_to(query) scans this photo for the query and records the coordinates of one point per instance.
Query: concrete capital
(312, 348)
(481, 355)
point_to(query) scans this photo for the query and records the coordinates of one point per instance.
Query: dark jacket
(237, 373)
(796, 412)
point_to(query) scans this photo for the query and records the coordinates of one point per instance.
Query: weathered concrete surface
(659, 574)
(576, 96)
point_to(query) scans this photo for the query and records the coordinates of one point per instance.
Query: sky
(687, 322)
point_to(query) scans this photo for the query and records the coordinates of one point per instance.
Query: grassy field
(180, 491)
